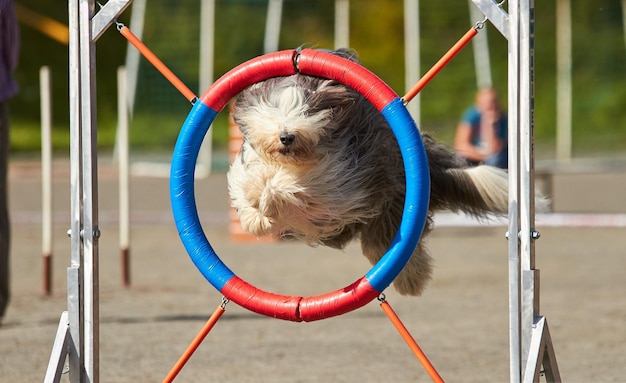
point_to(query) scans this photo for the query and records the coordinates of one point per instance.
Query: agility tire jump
(205, 109)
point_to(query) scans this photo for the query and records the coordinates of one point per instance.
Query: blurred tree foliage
(376, 33)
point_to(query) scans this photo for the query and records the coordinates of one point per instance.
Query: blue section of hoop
(416, 200)
(183, 197)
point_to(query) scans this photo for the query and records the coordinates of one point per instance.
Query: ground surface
(461, 322)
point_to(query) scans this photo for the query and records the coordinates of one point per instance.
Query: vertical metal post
(83, 274)
(529, 338)
(514, 149)
(89, 182)
(518, 28)
(74, 272)
(529, 276)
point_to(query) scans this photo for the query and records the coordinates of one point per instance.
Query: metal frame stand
(78, 335)
(530, 343)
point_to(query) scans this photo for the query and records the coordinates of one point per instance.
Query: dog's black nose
(287, 138)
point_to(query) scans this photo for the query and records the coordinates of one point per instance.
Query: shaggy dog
(321, 164)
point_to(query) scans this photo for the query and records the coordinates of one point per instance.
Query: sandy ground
(461, 322)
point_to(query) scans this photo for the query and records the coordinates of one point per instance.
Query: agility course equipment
(46, 178)
(284, 63)
(531, 352)
(296, 308)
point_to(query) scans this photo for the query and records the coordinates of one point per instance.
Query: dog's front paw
(255, 223)
(267, 198)
(277, 195)
(271, 201)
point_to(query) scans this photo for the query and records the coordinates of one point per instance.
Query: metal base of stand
(59, 351)
(541, 356)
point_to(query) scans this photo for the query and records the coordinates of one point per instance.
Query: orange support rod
(158, 64)
(193, 346)
(467, 37)
(434, 375)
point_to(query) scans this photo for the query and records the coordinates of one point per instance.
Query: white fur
(494, 185)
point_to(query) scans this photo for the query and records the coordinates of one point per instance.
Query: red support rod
(193, 346)
(430, 369)
(158, 64)
(467, 37)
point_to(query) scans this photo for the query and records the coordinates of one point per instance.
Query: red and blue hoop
(284, 63)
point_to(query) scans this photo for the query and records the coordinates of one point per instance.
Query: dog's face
(317, 162)
(285, 119)
(279, 123)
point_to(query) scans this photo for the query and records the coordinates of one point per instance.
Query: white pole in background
(480, 45)
(132, 54)
(563, 80)
(46, 177)
(124, 198)
(272, 25)
(132, 61)
(624, 18)
(342, 24)
(412, 54)
(207, 53)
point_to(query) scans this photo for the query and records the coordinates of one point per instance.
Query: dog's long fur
(320, 163)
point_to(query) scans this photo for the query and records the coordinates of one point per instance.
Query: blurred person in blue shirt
(9, 52)
(481, 135)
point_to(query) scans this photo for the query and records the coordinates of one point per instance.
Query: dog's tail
(479, 191)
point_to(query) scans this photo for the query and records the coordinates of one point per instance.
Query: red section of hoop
(262, 302)
(296, 308)
(252, 71)
(337, 302)
(324, 64)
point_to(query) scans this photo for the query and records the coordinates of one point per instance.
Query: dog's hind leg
(413, 279)
(415, 275)
(376, 237)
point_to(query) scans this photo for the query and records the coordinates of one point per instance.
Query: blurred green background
(172, 30)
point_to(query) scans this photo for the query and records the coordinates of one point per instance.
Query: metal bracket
(105, 17)
(494, 12)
